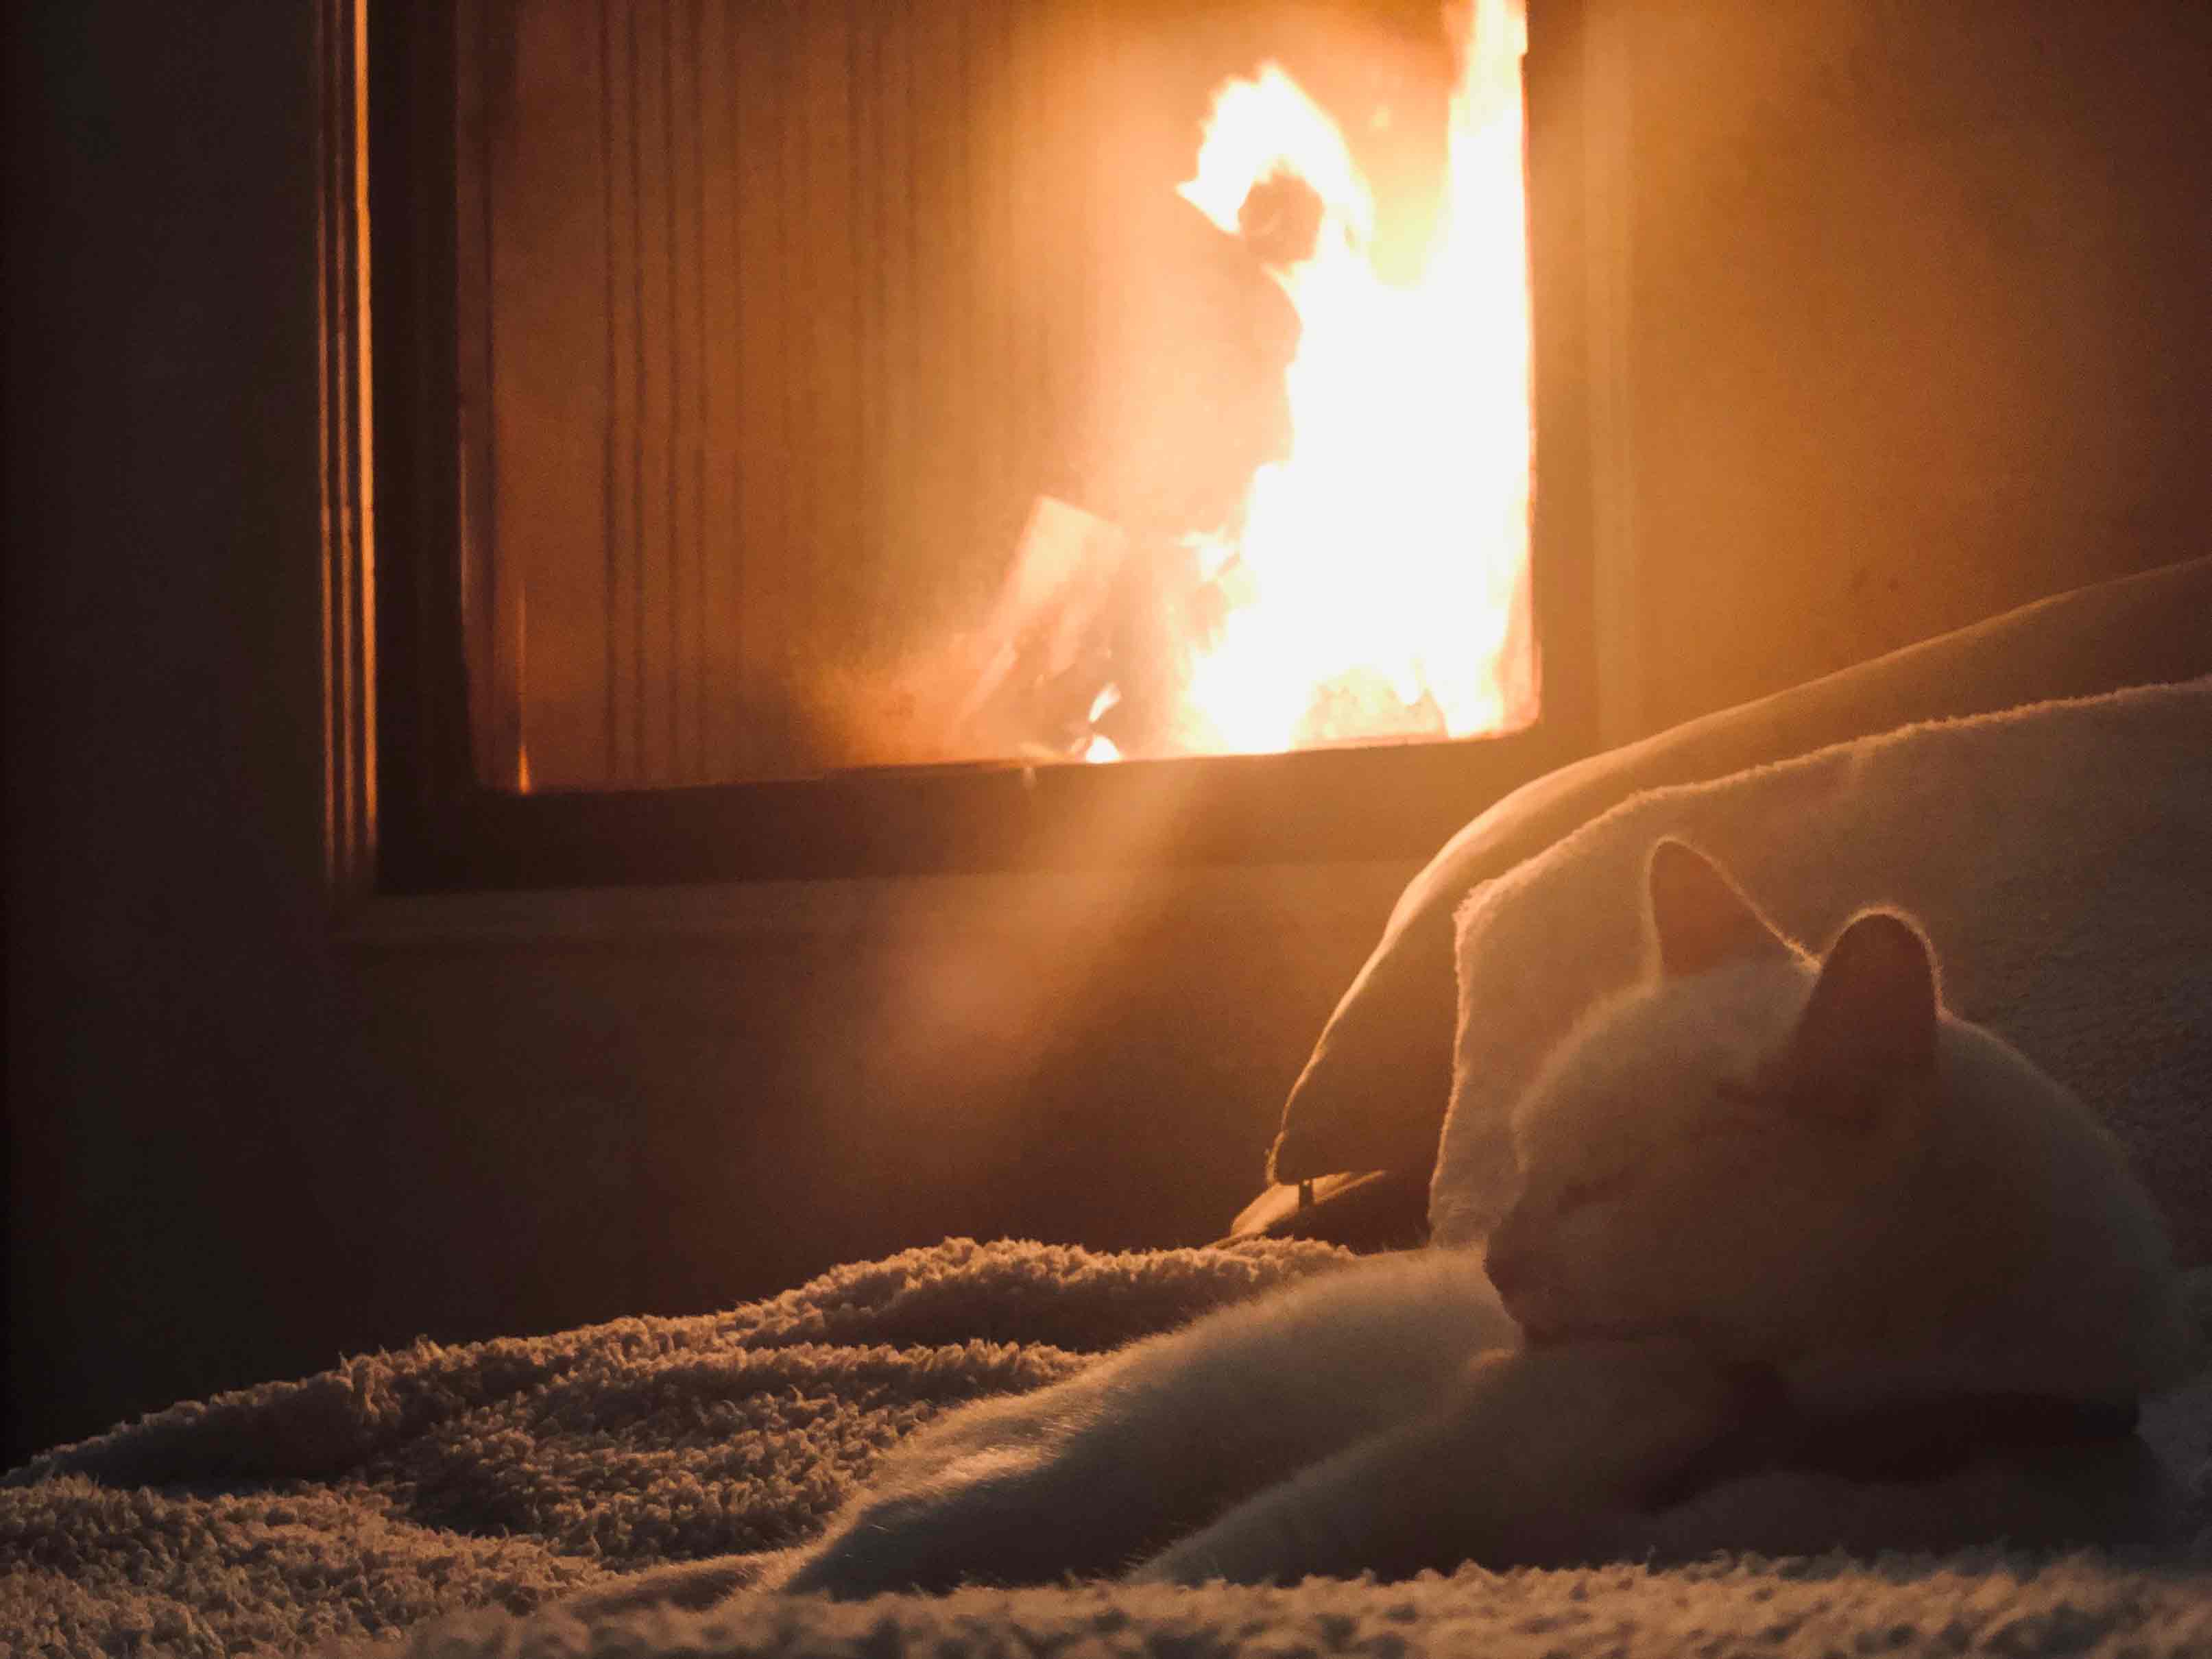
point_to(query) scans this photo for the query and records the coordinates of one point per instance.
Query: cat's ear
(1872, 1016)
(1700, 918)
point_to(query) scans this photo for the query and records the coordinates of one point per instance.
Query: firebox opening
(989, 382)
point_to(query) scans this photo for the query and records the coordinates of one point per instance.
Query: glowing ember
(1374, 588)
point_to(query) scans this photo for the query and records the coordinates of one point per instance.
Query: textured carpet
(543, 1476)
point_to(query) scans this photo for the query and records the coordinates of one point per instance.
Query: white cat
(1798, 1260)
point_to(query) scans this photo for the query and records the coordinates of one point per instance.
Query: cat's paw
(974, 1496)
(908, 1541)
(1003, 1515)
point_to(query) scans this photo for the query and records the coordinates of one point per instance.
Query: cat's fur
(1755, 1178)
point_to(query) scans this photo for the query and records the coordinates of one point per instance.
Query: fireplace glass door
(852, 384)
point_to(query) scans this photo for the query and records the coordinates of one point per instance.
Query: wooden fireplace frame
(403, 810)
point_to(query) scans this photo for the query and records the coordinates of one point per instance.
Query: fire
(1380, 572)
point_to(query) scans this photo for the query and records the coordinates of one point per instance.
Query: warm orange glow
(1381, 566)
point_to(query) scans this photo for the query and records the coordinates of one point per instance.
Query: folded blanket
(541, 1495)
(502, 1474)
(2059, 856)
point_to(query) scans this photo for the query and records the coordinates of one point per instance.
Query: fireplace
(965, 434)
(1851, 324)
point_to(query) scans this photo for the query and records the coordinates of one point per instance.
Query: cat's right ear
(1700, 918)
(1873, 1011)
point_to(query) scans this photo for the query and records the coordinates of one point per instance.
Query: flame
(1381, 568)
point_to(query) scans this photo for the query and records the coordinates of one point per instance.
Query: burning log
(1304, 520)
(1044, 653)
(1087, 650)
(1280, 220)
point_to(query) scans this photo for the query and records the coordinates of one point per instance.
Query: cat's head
(1718, 1151)
(1808, 1165)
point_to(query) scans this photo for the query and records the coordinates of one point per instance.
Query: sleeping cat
(1798, 1259)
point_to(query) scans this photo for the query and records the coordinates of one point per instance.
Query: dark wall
(172, 1014)
(1915, 326)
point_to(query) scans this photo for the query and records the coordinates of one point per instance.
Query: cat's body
(1760, 1197)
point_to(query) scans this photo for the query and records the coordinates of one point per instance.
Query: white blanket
(428, 1497)
(2059, 855)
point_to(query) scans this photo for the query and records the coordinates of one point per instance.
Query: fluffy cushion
(2058, 856)
(1372, 1095)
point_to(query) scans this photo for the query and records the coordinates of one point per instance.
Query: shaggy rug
(556, 1495)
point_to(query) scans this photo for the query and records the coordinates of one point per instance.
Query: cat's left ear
(1701, 920)
(1873, 1013)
